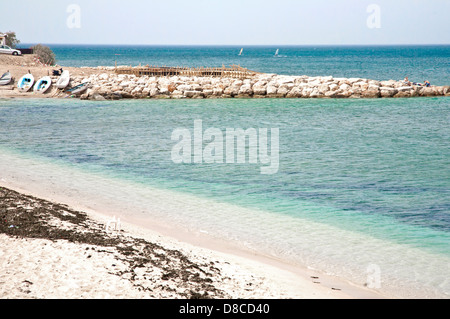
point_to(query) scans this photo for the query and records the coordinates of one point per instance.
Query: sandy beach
(49, 250)
(54, 245)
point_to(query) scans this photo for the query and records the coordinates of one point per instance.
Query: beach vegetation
(45, 54)
(11, 39)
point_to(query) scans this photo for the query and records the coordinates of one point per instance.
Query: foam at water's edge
(398, 269)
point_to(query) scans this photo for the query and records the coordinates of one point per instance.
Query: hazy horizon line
(239, 45)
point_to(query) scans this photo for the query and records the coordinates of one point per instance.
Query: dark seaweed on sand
(29, 217)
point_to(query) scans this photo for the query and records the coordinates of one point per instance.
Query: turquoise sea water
(360, 182)
(420, 63)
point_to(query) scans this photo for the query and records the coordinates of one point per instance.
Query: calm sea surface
(420, 63)
(361, 185)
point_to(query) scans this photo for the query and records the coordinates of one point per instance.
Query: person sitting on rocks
(406, 81)
(427, 84)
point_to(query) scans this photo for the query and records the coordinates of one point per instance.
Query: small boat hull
(25, 83)
(5, 79)
(63, 80)
(79, 88)
(43, 84)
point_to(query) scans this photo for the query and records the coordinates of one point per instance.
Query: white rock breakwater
(118, 86)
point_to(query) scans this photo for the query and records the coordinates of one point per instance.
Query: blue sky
(231, 22)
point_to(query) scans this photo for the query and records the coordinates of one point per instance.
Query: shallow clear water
(360, 182)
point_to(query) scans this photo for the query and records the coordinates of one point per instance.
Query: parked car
(7, 50)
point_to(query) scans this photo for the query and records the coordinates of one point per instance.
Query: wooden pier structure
(234, 71)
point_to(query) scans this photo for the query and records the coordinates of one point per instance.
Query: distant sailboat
(240, 53)
(276, 53)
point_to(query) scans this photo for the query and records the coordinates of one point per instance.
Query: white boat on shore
(26, 82)
(6, 78)
(63, 80)
(43, 84)
(79, 88)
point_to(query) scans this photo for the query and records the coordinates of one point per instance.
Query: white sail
(240, 53)
(276, 53)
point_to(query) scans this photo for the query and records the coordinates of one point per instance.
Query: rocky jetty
(111, 86)
(105, 83)
(118, 86)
